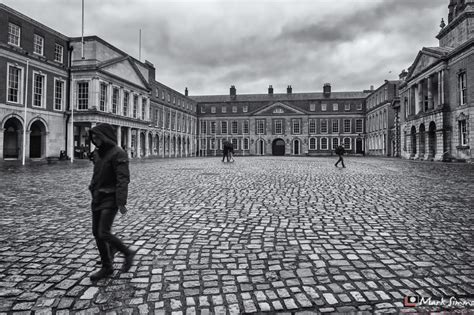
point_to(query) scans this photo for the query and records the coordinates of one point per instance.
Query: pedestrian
(340, 152)
(109, 189)
(227, 147)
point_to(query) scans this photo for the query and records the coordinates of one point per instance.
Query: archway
(142, 144)
(359, 148)
(278, 147)
(11, 139)
(37, 139)
(413, 141)
(422, 141)
(432, 140)
(296, 147)
(261, 147)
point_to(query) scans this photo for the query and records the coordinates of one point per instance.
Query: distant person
(340, 152)
(228, 150)
(109, 189)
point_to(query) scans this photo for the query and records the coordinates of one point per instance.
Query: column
(129, 142)
(420, 98)
(119, 136)
(92, 146)
(95, 93)
(430, 94)
(139, 144)
(2, 142)
(147, 144)
(442, 87)
(439, 89)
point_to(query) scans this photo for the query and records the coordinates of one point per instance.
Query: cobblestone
(270, 234)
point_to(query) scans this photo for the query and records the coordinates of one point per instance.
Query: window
(312, 107)
(245, 109)
(234, 109)
(212, 144)
(347, 107)
(83, 95)
(335, 107)
(335, 126)
(324, 126)
(359, 126)
(347, 125)
(359, 106)
(143, 108)
(213, 109)
(179, 102)
(278, 126)
(312, 126)
(157, 93)
(14, 32)
(224, 127)
(203, 127)
(260, 126)
(163, 95)
(38, 89)
(323, 107)
(135, 106)
(169, 97)
(312, 143)
(38, 44)
(58, 94)
(213, 127)
(246, 144)
(115, 100)
(463, 132)
(224, 109)
(296, 126)
(347, 143)
(15, 83)
(245, 127)
(203, 109)
(58, 53)
(174, 99)
(125, 103)
(235, 143)
(234, 128)
(462, 88)
(103, 97)
(324, 143)
(335, 143)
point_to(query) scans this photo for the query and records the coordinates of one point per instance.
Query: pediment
(278, 109)
(423, 61)
(124, 69)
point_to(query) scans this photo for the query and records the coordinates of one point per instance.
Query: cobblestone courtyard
(264, 234)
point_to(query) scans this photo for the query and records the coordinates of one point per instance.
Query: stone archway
(432, 140)
(37, 139)
(261, 147)
(422, 133)
(296, 147)
(12, 138)
(413, 141)
(278, 147)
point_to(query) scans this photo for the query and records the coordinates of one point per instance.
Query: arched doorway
(37, 140)
(359, 148)
(261, 147)
(278, 147)
(11, 139)
(296, 147)
(142, 144)
(432, 140)
(422, 141)
(413, 141)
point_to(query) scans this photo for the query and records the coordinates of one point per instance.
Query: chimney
(371, 87)
(186, 91)
(151, 71)
(289, 89)
(403, 75)
(270, 90)
(327, 89)
(233, 91)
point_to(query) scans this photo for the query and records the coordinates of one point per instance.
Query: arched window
(312, 143)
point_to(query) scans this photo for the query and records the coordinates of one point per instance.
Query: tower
(459, 28)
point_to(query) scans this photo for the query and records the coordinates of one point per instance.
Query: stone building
(381, 136)
(437, 92)
(282, 123)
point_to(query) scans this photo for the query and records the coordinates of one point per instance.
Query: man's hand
(122, 209)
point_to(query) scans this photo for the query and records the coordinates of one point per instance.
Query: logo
(411, 301)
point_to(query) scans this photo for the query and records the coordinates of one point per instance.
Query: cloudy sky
(208, 45)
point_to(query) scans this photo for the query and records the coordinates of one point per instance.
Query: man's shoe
(128, 261)
(101, 274)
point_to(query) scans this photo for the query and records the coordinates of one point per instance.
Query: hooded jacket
(109, 184)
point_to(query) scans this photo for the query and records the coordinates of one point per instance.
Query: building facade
(437, 93)
(282, 124)
(381, 135)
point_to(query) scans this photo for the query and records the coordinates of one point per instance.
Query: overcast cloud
(209, 45)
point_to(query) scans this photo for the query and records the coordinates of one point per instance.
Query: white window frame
(78, 84)
(296, 122)
(245, 109)
(213, 109)
(313, 146)
(203, 110)
(334, 143)
(12, 30)
(134, 106)
(58, 52)
(260, 125)
(335, 123)
(324, 107)
(234, 127)
(117, 103)
(462, 125)
(235, 143)
(276, 126)
(344, 125)
(347, 107)
(103, 89)
(312, 126)
(203, 127)
(234, 109)
(361, 126)
(224, 109)
(224, 123)
(246, 127)
(348, 147)
(324, 123)
(312, 107)
(324, 146)
(462, 84)
(126, 103)
(212, 127)
(43, 87)
(63, 90)
(359, 106)
(335, 107)
(246, 144)
(38, 42)
(20, 83)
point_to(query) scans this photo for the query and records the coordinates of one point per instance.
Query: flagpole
(24, 114)
(82, 35)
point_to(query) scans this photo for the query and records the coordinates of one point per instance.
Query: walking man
(109, 189)
(228, 149)
(340, 152)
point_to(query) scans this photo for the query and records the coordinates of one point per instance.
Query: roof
(277, 97)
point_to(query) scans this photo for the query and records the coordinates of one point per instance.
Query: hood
(106, 132)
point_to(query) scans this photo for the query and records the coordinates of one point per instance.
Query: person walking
(228, 150)
(109, 189)
(340, 152)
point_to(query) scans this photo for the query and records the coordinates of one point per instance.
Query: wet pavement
(263, 234)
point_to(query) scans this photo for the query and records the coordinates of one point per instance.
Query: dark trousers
(340, 160)
(102, 221)
(226, 155)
